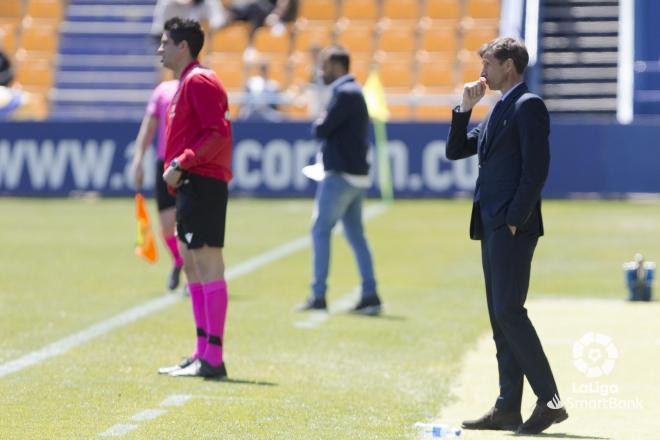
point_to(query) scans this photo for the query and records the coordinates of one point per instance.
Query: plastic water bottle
(437, 430)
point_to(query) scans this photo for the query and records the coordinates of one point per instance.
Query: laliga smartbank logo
(595, 355)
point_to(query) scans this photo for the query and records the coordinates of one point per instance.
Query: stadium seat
(396, 36)
(360, 67)
(400, 112)
(11, 9)
(234, 109)
(436, 73)
(40, 36)
(301, 68)
(427, 112)
(48, 9)
(35, 107)
(401, 9)
(442, 9)
(229, 69)
(360, 10)
(278, 70)
(35, 73)
(357, 37)
(8, 37)
(296, 111)
(480, 111)
(233, 38)
(476, 34)
(265, 41)
(470, 71)
(397, 73)
(318, 10)
(439, 37)
(311, 34)
(483, 9)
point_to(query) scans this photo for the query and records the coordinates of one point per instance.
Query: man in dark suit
(514, 157)
(343, 129)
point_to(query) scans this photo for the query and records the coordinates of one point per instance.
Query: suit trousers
(506, 261)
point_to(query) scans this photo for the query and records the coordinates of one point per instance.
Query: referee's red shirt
(198, 109)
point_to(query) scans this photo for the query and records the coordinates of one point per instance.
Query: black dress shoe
(495, 419)
(201, 368)
(541, 419)
(369, 306)
(312, 303)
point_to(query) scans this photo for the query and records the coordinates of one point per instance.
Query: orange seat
(35, 72)
(479, 112)
(311, 35)
(51, 9)
(318, 9)
(439, 37)
(436, 74)
(40, 36)
(35, 107)
(229, 69)
(483, 9)
(400, 112)
(11, 8)
(360, 68)
(357, 38)
(401, 9)
(470, 71)
(398, 37)
(278, 70)
(396, 73)
(442, 9)
(233, 38)
(266, 41)
(360, 9)
(428, 112)
(477, 35)
(8, 37)
(297, 111)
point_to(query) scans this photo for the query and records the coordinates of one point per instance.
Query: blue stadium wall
(61, 159)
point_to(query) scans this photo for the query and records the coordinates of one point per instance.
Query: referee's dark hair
(338, 55)
(189, 31)
(503, 48)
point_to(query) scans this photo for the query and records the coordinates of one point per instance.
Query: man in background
(343, 129)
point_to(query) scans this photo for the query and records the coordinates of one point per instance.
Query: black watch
(174, 164)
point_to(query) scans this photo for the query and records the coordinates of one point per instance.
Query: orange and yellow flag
(145, 246)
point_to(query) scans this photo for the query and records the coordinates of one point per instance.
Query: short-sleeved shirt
(199, 109)
(157, 107)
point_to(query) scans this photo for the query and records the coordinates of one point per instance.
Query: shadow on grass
(561, 435)
(261, 383)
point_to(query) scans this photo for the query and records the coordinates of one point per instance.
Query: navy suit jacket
(344, 129)
(513, 162)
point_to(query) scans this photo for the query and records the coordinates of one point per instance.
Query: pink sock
(215, 298)
(199, 312)
(171, 242)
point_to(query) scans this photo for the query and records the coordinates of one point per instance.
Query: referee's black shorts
(164, 199)
(201, 210)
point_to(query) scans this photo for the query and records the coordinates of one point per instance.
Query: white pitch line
(118, 430)
(148, 414)
(176, 400)
(142, 310)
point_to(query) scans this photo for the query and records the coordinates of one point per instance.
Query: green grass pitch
(68, 264)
